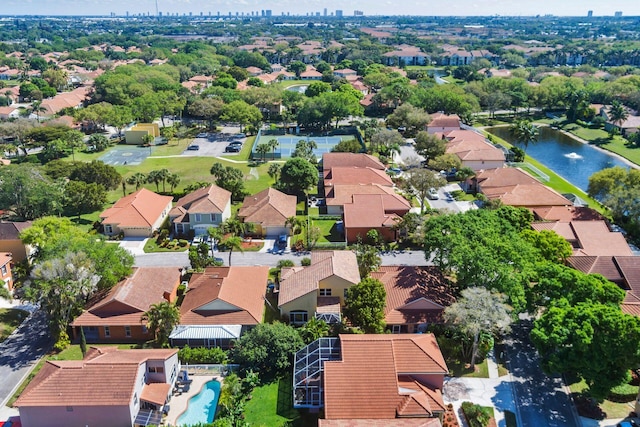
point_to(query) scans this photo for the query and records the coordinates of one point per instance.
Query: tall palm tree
(618, 114)
(295, 223)
(164, 174)
(161, 318)
(137, 179)
(232, 243)
(156, 178)
(173, 179)
(274, 170)
(524, 132)
(273, 144)
(37, 108)
(262, 149)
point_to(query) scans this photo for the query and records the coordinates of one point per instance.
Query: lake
(571, 159)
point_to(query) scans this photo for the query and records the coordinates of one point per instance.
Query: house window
(69, 408)
(145, 330)
(213, 217)
(3, 269)
(127, 331)
(396, 329)
(198, 217)
(298, 317)
(108, 229)
(156, 369)
(135, 398)
(107, 332)
(180, 228)
(325, 292)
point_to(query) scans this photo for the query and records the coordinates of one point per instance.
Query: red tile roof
(139, 209)
(414, 294)
(567, 213)
(269, 207)
(348, 390)
(440, 120)
(398, 422)
(324, 264)
(515, 187)
(374, 210)
(588, 237)
(361, 160)
(225, 296)
(105, 377)
(210, 199)
(155, 393)
(12, 230)
(128, 300)
(355, 175)
(340, 194)
(470, 146)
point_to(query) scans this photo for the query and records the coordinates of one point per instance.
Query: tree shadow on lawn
(299, 418)
(81, 221)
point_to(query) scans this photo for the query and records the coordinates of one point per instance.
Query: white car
(432, 194)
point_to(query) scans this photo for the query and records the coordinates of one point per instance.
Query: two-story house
(201, 209)
(110, 387)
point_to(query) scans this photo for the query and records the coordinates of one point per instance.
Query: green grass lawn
(10, 319)
(610, 408)
(600, 137)
(328, 230)
(271, 405)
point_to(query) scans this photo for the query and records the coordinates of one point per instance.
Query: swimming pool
(201, 408)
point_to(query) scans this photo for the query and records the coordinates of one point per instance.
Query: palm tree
(618, 114)
(274, 171)
(215, 234)
(314, 329)
(262, 149)
(524, 132)
(164, 174)
(155, 177)
(232, 243)
(161, 318)
(295, 223)
(137, 179)
(37, 108)
(173, 179)
(273, 144)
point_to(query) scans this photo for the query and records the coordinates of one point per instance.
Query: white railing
(537, 173)
(210, 369)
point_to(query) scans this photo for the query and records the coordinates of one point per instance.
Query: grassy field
(600, 138)
(271, 406)
(10, 319)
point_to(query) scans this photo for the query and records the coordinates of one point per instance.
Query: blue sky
(370, 7)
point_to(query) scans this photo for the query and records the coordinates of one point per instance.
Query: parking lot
(212, 144)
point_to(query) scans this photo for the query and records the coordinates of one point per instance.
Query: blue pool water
(201, 408)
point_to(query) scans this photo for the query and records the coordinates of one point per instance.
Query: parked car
(282, 240)
(232, 149)
(238, 143)
(432, 194)
(202, 135)
(193, 147)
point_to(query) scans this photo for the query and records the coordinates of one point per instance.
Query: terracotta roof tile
(567, 213)
(73, 383)
(128, 300)
(374, 210)
(269, 207)
(355, 175)
(589, 237)
(338, 195)
(12, 230)
(225, 296)
(361, 160)
(155, 393)
(347, 383)
(139, 209)
(397, 422)
(414, 294)
(324, 264)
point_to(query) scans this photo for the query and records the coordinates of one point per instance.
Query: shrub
(305, 262)
(183, 243)
(476, 415)
(285, 263)
(63, 342)
(202, 355)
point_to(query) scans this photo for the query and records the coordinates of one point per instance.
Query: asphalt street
(181, 259)
(19, 352)
(542, 400)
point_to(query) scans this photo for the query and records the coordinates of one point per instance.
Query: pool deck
(179, 402)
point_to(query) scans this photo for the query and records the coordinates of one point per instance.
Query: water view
(571, 159)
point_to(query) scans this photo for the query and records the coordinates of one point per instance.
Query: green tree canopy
(161, 318)
(364, 305)
(297, 176)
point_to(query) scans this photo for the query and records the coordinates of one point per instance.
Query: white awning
(203, 332)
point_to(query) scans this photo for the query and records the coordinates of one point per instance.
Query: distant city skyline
(295, 7)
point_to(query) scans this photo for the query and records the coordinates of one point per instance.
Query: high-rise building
(338, 13)
(325, 11)
(268, 13)
(618, 14)
(590, 14)
(358, 13)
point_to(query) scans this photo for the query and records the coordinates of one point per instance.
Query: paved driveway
(213, 145)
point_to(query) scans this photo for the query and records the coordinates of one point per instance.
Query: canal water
(571, 159)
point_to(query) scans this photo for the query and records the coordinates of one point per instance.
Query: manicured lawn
(174, 148)
(610, 408)
(271, 405)
(600, 137)
(10, 319)
(328, 230)
(271, 313)
(460, 369)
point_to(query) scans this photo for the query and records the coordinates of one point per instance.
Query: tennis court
(287, 143)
